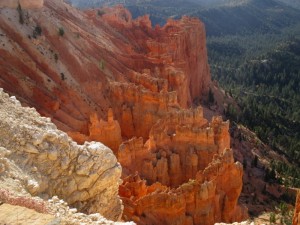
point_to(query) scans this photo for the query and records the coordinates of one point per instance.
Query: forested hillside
(253, 16)
(267, 89)
(221, 17)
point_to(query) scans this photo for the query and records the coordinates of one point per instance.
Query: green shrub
(100, 12)
(102, 64)
(211, 97)
(61, 31)
(272, 218)
(62, 76)
(21, 16)
(37, 31)
(55, 57)
(254, 161)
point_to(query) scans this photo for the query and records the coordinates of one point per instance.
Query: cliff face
(86, 177)
(177, 50)
(102, 62)
(172, 69)
(100, 75)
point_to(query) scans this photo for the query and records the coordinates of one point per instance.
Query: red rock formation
(296, 219)
(178, 49)
(179, 146)
(87, 70)
(145, 78)
(184, 153)
(210, 198)
(109, 133)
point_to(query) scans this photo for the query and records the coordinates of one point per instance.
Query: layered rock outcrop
(296, 218)
(86, 176)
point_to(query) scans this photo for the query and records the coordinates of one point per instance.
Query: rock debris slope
(38, 159)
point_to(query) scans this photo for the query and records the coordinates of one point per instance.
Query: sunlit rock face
(85, 176)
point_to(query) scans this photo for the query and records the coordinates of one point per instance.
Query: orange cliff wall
(171, 64)
(175, 52)
(98, 61)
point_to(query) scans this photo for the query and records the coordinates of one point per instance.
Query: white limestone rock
(85, 176)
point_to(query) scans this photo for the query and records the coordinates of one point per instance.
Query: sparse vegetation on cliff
(61, 31)
(21, 14)
(56, 57)
(211, 97)
(100, 12)
(37, 31)
(102, 65)
(62, 76)
(272, 218)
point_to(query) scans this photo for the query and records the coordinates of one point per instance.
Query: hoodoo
(189, 171)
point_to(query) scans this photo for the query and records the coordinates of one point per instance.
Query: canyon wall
(102, 62)
(85, 176)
